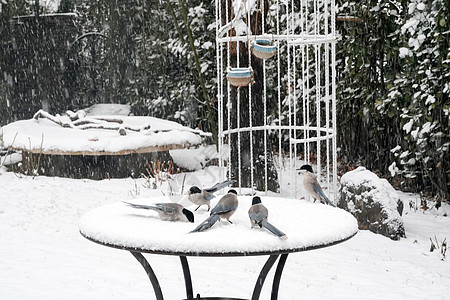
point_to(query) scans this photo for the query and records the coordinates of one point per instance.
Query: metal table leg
(151, 275)
(262, 276)
(188, 281)
(277, 278)
(187, 278)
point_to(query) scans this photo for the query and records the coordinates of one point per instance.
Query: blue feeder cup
(264, 49)
(240, 76)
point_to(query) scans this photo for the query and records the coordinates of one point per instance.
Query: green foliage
(394, 90)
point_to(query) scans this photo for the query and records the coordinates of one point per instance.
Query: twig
(170, 189)
(40, 154)
(2, 162)
(43, 114)
(444, 247)
(432, 247)
(182, 185)
(111, 120)
(30, 158)
(348, 18)
(104, 126)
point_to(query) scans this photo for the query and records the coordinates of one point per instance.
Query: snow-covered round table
(308, 226)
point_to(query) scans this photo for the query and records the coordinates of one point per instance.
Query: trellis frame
(305, 29)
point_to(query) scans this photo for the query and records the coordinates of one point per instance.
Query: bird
(259, 214)
(224, 209)
(312, 186)
(173, 212)
(204, 196)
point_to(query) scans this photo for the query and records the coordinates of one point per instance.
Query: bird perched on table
(168, 211)
(312, 186)
(204, 196)
(224, 209)
(258, 215)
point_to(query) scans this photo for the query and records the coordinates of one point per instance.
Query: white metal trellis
(300, 79)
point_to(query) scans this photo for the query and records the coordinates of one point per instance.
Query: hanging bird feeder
(240, 76)
(264, 48)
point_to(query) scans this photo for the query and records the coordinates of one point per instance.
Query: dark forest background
(159, 57)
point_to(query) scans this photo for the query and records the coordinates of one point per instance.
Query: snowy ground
(43, 256)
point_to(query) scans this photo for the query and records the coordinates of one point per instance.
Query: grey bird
(173, 212)
(203, 196)
(259, 214)
(224, 209)
(312, 186)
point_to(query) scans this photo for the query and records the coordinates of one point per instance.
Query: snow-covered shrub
(373, 202)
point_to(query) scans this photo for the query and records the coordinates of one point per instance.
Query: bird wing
(319, 191)
(168, 208)
(221, 209)
(208, 195)
(226, 203)
(257, 217)
(206, 224)
(219, 186)
(257, 213)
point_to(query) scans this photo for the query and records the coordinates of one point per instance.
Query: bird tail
(208, 223)
(322, 195)
(219, 186)
(141, 206)
(329, 202)
(274, 230)
(325, 198)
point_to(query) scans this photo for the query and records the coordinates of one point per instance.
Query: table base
(188, 281)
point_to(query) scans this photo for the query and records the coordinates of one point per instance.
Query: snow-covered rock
(373, 202)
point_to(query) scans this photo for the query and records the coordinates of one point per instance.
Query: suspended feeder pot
(264, 49)
(240, 76)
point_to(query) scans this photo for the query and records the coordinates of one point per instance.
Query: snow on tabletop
(31, 134)
(306, 224)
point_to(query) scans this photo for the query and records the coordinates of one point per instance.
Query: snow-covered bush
(373, 202)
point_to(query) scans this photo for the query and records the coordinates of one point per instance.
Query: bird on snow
(204, 196)
(312, 186)
(168, 211)
(224, 209)
(259, 214)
